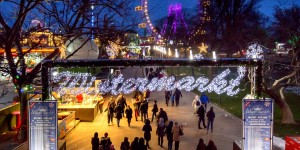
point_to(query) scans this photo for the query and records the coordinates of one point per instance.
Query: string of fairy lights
(220, 84)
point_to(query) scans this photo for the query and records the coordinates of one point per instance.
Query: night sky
(159, 8)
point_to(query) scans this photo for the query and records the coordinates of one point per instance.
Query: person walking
(201, 115)
(105, 142)
(196, 103)
(162, 114)
(177, 95)
(125, 145)
(143, 110)
(169, 135)
(122, 100)
(110, 109)
(210, 119)
(110, 114)
(154, 110)
(204, 100)
(95, 141)
(147, 106)
(100, 102)
(168, 95)
(160, 131)
(135, 144)
(135, 103)
(211, 145)
(151, 75)
(111, 102)
(147, 132)
(128, 113)
(176, 134)
(118, 111)
(201, 145)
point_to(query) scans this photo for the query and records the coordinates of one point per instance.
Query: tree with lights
(10, 37)
(69, 20)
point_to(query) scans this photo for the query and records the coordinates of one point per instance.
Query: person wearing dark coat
(201, 114)
(105, 142)
(147, 106)
(201, 145)
(177, 95)
(135, 144)
(211, 145)
(110, 109)
(122, 100)
(210, 119)
(168, 95)
(154, 110)
(142, 145)
(128, 113)
(147, 132)
(151, 75)
(110, 114)
(143, 110)
(169, 135)
(118, 111)
(162, 114)
(95, 141)
(160, 131)
(125, 145)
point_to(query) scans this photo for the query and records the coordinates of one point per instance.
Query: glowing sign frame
(48, 64)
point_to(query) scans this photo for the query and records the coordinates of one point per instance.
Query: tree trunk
(24, 116)
(287, 115)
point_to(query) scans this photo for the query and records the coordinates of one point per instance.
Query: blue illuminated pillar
(92, 20)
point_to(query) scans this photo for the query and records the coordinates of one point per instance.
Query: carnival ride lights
(174, 21)
(202, 4)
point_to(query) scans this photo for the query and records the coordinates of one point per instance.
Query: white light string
(219, 84)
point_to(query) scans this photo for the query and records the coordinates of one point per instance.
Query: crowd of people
(118, 108)
(173, 133)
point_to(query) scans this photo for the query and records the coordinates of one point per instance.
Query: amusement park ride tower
(175, 33)
(175, 27)
(176, 21)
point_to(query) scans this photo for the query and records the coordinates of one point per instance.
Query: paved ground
(226, 127)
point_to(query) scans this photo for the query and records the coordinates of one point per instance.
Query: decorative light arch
(48, 64)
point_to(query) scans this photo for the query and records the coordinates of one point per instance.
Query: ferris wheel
(147, 23)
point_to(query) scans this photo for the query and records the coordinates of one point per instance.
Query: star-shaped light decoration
(254, 51)
(203, 48)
